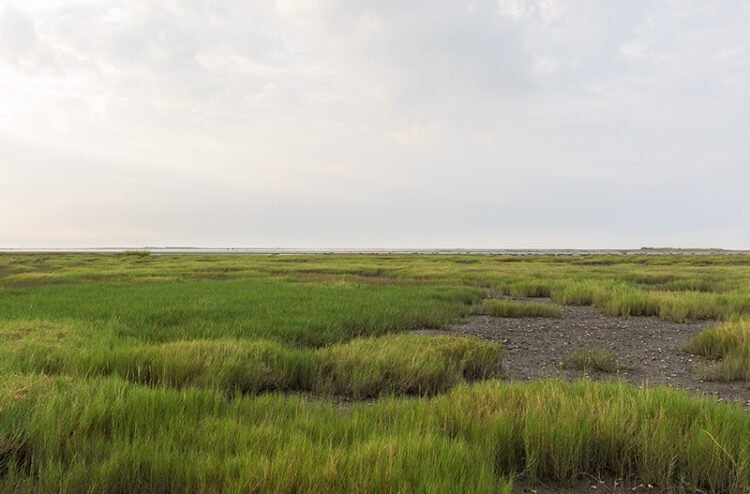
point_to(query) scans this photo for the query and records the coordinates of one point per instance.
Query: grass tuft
(592, 359)
(361, 368)
(507, 308)
(729, 343)
(107, 435)
(421, 365)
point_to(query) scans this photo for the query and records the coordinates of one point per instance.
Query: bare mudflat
(649, 350)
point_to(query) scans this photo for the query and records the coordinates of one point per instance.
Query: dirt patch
(649, 348)
(590, 484)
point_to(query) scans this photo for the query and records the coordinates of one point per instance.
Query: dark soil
(606, 485)
(648, 348)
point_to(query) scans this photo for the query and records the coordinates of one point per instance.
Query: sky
(375, 123)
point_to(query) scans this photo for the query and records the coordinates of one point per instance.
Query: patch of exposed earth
(649, 348)
(606, 485)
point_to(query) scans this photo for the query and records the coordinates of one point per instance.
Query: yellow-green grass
(508, 308)
(592, 359)
(136, 373)
(405, 365)
(729, 343)
(679, 287)
(301, 314)
(106, 435)
(360, 368)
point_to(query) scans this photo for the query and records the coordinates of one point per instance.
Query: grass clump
(592, 359)
(361, 368)
(107, 435)
(508, 308)
(579, 293)
(233, 366)
(420, 365)
(527, 289)
(729, 343)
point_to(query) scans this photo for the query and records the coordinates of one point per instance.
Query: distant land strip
(437, 251)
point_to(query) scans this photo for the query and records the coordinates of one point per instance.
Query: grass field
(153, 374)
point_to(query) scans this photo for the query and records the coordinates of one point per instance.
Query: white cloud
(17, 34)
(371, 123)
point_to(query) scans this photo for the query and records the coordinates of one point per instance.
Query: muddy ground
(649, 348)
(592, 485)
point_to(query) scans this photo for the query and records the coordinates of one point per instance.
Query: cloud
(422, 58)
(20, 44)
(372, 123)
(17, 34)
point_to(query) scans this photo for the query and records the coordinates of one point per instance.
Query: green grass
(361, 368)
(729, 343)
(406, 365)
(588, 359)
(107, 435)
(136, 373)
(507, 308)
(301, 314)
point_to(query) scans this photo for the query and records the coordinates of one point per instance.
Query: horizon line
(368, 250)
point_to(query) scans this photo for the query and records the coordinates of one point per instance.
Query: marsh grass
(507, 308)
(729, 343)
(678, 288)
(136, 253)
(156, 374)
(107, 435)
(299, 314)
(588, 359)
(421, 365)
(361, 368)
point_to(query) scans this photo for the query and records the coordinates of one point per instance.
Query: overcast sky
(375, 123)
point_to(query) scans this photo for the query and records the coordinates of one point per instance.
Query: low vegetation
(507, 308)
(729, 343)
(107, 435)
(588, 359)
(139, 373)
(405, 365)
(298, 314)
(361, 368)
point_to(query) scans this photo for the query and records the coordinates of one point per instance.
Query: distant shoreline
(293, 251)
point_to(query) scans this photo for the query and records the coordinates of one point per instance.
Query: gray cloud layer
(548, 123)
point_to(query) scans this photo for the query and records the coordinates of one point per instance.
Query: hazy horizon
(375, 124)
(365, 250)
